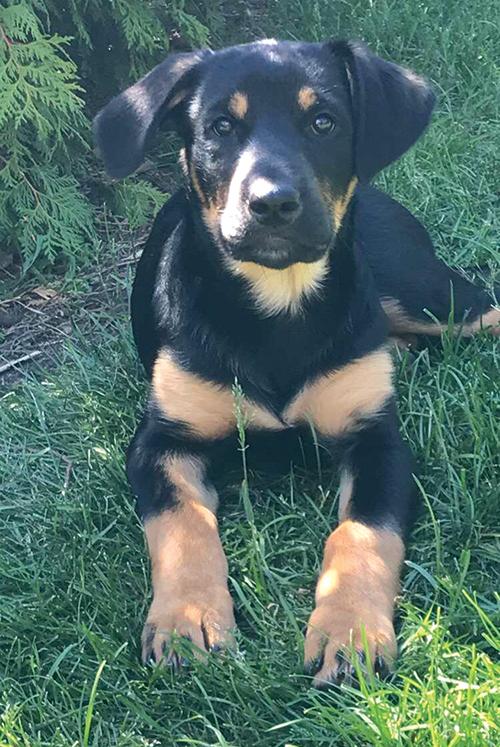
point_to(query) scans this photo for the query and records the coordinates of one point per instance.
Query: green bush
(59, 61)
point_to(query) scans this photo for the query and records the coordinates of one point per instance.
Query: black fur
(124, 127)
(391, 106)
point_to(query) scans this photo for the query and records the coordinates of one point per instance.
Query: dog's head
(276, 136)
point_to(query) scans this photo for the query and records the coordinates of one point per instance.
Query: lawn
(73, 567)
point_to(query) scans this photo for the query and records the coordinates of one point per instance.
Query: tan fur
(196, 184)
(188, 565)
(338, 401)
(338, 205)
(187, 473)
(282, 290)
(238, 105)
(210, 209)
(355, 596)
(401, 323)
(207, 408)
(306, 98)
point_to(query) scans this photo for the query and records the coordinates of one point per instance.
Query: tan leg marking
(275, 291)
(207, 408)
(306, 97)
(401, 323)
(355, 596)
(189, 569)
(238, 105)
(337, 401)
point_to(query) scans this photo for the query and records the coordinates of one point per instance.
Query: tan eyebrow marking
(238, 104)
(306, 97)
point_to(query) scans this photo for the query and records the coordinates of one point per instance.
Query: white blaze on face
(231, 222)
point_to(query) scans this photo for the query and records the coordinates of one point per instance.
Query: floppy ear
(124, 127)
(391, 107)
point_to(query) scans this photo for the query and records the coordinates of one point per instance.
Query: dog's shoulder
(153, 273)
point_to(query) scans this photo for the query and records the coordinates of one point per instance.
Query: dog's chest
(332, 402)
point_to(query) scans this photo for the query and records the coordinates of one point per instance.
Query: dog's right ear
(123, 129)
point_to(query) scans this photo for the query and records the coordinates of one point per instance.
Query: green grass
(73, 568)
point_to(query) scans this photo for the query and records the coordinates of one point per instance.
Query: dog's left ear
(123, 129)
(391, 107)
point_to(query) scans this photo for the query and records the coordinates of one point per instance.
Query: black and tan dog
(279, 266)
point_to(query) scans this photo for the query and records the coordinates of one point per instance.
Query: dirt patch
(36, 322)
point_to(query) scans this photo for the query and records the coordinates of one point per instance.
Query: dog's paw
(336, 634)
(208, 624)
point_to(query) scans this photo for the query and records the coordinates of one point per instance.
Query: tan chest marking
(275, 291)
(207, 408)
(339, 400)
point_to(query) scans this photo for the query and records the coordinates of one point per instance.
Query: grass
(73, 568)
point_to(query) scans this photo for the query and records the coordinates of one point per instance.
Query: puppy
(278, 266)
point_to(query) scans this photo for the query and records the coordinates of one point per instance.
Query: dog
(280, 267)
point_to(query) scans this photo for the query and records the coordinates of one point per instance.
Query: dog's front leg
(359, 579)
(189, 569)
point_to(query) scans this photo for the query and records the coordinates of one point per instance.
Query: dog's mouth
(277, 252)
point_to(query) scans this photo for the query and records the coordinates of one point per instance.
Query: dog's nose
(274, 203)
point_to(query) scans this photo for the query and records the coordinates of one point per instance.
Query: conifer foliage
(59, 61)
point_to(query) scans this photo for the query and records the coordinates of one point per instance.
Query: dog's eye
(322, 124)
(223, 126)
